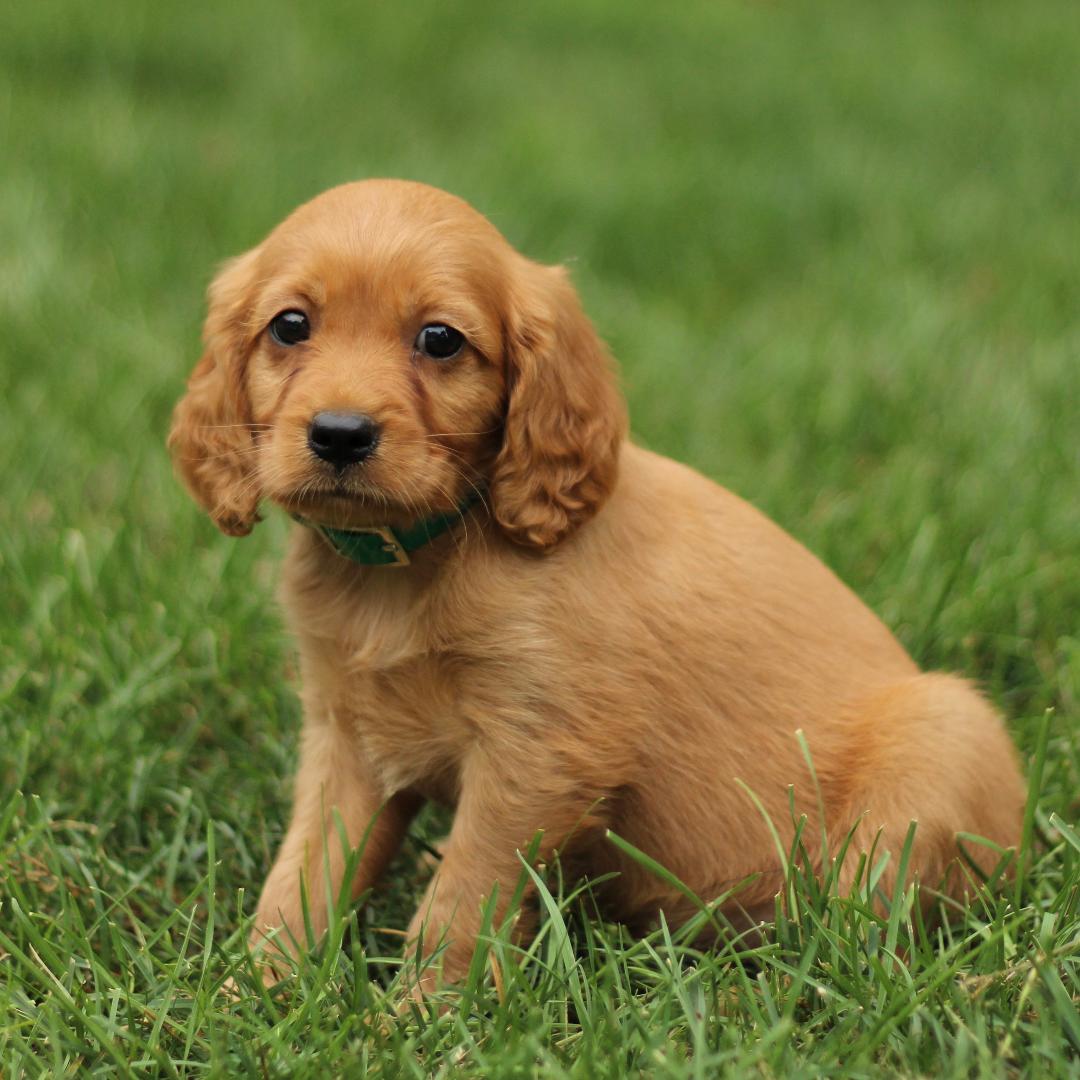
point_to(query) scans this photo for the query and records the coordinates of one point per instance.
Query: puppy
(504, 605)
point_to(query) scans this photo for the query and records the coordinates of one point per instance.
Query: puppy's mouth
(335, 494)
(343, 504)
(340, 491)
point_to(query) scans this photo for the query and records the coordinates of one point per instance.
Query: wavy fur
(656, 672)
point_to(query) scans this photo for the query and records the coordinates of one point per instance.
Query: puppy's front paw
(426, 994)
(273, 977)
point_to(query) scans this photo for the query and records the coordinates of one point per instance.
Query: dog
(504, 605)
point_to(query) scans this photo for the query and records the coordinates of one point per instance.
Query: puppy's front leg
(502, 805)
(333, 782)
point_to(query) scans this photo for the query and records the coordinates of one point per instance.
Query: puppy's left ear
(565, 418)
(211, 440)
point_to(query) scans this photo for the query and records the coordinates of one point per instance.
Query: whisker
(460, 434)
(464, 522)
(245, 451)
(231, 427)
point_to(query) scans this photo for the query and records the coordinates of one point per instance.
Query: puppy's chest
(411, 721)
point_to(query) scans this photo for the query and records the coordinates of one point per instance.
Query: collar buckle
(391, 545)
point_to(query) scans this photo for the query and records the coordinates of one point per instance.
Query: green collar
(381, 545)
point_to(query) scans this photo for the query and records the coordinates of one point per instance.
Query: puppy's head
(384, 352)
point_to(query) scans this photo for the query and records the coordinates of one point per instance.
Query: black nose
(342, 438)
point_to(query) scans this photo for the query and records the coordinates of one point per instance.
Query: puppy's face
(376, 369)
(384, 352)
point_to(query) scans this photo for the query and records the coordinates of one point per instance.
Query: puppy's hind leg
(931, 750)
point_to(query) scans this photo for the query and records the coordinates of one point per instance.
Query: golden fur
(607, 640)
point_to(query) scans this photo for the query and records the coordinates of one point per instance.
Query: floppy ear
(212, 440)
(565, 418)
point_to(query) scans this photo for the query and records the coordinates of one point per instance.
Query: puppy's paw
(426, 995)
(275, 975)
(230, 991)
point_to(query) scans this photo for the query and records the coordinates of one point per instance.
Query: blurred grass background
(834, 247)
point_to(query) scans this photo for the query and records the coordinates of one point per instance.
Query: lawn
(836, 249)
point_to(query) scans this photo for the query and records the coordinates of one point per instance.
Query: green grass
(835, 248)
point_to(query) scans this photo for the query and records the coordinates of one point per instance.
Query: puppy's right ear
(212, 437)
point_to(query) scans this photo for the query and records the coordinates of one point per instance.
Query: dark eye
(290, 327)
(439, 341)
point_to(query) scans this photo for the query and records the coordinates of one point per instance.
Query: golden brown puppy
(600, 638)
